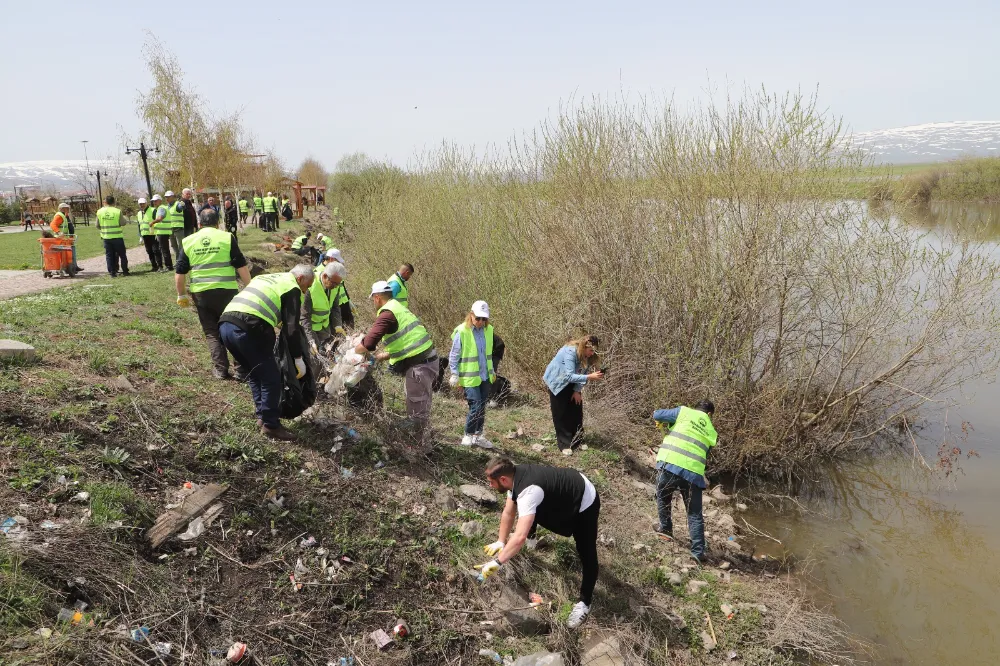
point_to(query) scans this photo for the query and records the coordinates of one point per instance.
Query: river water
(911, 561)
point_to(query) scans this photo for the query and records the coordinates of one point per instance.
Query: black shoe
(221, 374)
(126, 274)
(114, 275)
(241, 377)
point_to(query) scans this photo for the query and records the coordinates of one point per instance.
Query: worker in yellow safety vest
(681, 461)
(409, 350)
(472, 368)
(109, 224)
(146, 216)
(213, 260)
(247, 330)
(270, 204)
(320, 317)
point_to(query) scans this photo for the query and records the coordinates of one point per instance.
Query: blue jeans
(667, 483)
(115, 256)
(477, 397)
(255, 354)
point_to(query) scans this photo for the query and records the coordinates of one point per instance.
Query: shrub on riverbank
(967, 179)
(705, 251)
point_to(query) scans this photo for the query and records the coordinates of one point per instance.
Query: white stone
(16, 349)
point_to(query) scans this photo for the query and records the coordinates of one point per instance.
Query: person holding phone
(566, 375)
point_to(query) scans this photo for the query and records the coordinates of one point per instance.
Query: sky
(391, 79)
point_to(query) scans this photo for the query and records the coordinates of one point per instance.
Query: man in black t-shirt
(560, 499)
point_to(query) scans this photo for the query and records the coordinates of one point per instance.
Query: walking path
(19, 283)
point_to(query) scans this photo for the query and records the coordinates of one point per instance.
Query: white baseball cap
(141, 200)
(334, 253)
(64, 205)
(156, 197)
(268, 194)
(481, 309)
(168, 193)
(381, 287)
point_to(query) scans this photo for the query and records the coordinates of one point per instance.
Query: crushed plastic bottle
(491, 654)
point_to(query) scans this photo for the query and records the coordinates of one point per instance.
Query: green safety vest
(109, 222)
(410, 339)
(327, 243)
(145, 217)
(688, 442)
(343, 297)
(244, 206)
(211, 262)
(175, 215)
(298, 243)
(162, 228)
(403, 296)
(321, 302)
(258, 203)
(284, 202)
(262, 297)
(270, 204)
(468, 360)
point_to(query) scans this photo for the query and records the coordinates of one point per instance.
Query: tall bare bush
(705, 250)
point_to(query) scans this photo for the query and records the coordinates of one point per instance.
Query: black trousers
(164, 243)
(210, 305)
(153, 252)
(567, 416)
(585, 535)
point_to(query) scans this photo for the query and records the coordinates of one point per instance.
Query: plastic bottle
(492, 654)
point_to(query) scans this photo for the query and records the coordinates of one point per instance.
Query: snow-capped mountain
(60, 175)
(933, 142)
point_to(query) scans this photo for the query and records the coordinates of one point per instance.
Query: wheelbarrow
(57, 256)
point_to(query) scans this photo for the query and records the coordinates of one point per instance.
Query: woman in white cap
(471, 362)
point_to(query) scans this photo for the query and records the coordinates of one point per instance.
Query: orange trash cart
(57, 256)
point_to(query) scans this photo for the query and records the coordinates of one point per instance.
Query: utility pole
(100, 195)
(143, 154)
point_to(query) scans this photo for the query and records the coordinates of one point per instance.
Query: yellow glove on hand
(339, 330)
(184, 301)
(488, 569)
(494, 548)
(300, 368)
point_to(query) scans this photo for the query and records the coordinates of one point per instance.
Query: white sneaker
(578, 615)
(467, 440)
(482, 442)
(567, 452)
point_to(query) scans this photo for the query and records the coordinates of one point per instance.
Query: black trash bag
(297, 395)
(501, 390)
(286, 213)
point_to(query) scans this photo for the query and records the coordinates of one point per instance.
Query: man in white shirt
(560, 499)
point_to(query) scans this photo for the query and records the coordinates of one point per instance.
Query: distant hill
(933, 142)
(63, 175)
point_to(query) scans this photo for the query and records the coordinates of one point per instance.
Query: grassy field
(21, 250)
(134, 418)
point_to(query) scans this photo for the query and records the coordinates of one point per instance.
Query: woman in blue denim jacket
(565, 377)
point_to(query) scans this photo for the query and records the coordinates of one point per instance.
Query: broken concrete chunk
(605, 653)
(707, 642)
(695, 586)
(647, 488)
(471, 529)
(480, 494)
(12, 349)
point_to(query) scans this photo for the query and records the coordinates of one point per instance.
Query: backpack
(297, 395)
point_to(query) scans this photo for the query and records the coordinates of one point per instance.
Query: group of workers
(209, 270)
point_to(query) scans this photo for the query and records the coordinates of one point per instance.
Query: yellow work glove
(339, 330)
(300, 368)
(494, 548)
(184, 301)
(488, 569)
